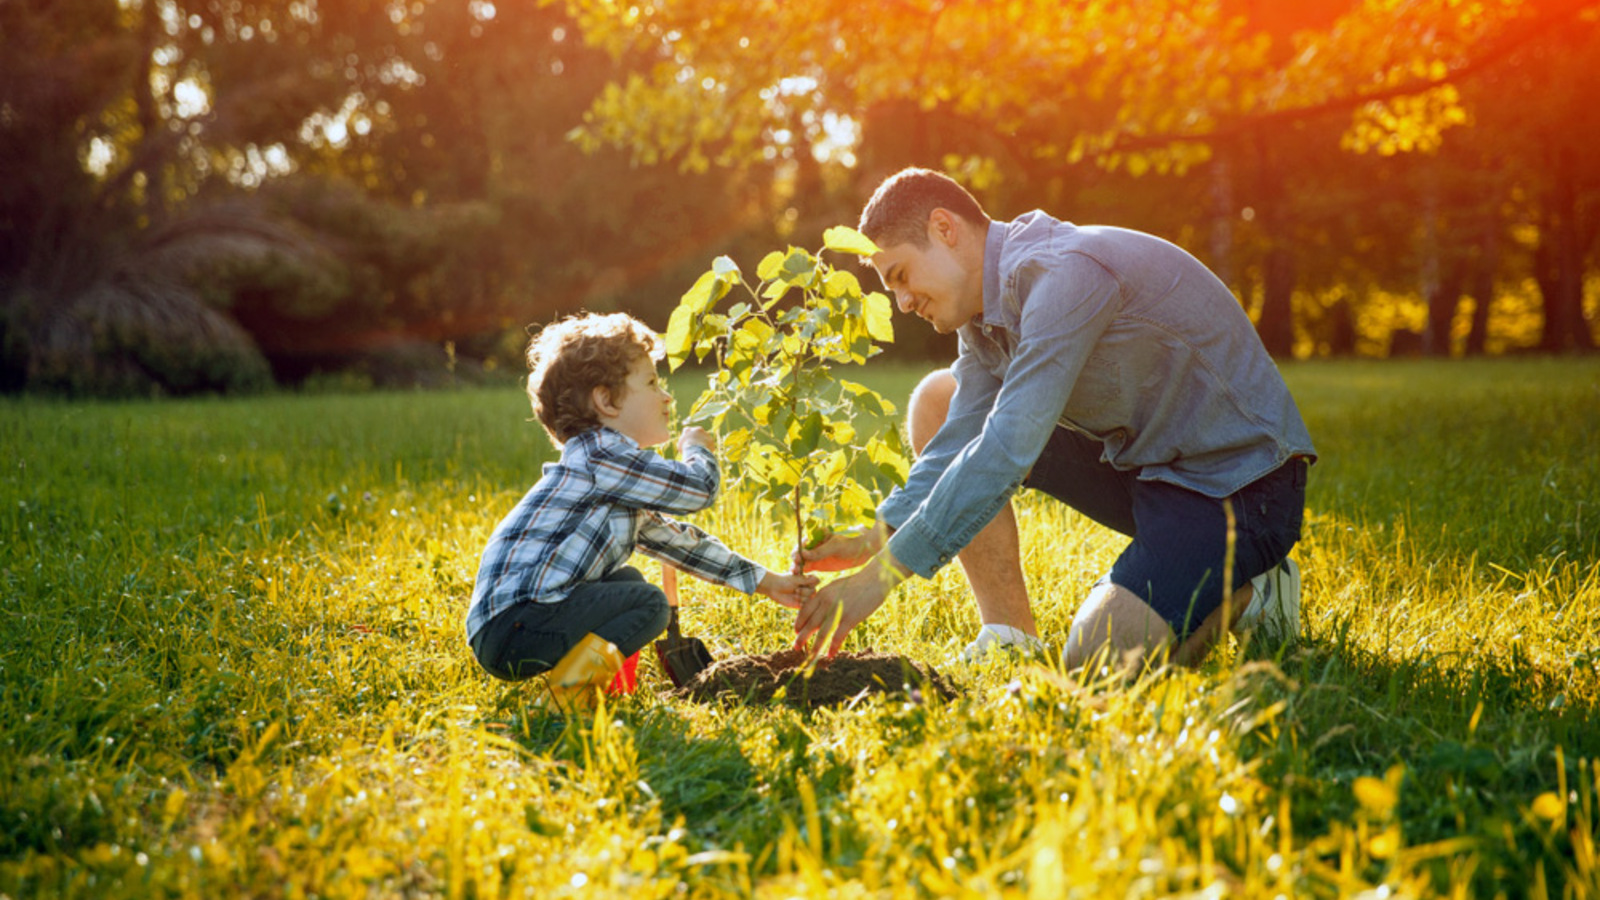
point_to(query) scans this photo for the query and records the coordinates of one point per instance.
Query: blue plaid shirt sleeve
(628, 475)
(698, 553)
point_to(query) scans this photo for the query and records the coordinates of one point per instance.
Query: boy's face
(940, 282)
(643, 411)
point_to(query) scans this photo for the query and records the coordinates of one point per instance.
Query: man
(1111, 370)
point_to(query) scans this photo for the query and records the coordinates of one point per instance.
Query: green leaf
(799, 267)
(725, 267)
(880, 317)
(770, 265)
(831, 472)
(840, 283)
(703, 294)
(710, 410)
(736, 445)
(753, 337)
(679, 338)
(844, 239)
(805, 434)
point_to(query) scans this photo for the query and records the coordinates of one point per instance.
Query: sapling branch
(797, 434)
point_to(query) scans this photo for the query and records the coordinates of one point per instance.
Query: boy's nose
(902, 300)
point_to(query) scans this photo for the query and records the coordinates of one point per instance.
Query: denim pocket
(1274, 511)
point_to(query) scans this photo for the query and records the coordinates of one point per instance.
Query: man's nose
(902, 300)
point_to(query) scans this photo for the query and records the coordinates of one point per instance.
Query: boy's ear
(603, 404)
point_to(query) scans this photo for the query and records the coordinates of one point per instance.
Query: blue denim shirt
(1114, 333)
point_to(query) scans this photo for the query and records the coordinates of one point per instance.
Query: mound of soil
(758, 679)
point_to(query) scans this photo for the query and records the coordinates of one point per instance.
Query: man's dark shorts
(1179, 536)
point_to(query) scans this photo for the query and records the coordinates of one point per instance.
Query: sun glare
(191, 99)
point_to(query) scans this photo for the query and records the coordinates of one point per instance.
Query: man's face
(938, 282)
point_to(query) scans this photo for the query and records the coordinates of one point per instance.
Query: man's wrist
(886, 561)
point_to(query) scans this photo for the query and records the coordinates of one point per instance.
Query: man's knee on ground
(930, 404)
(1114, 625)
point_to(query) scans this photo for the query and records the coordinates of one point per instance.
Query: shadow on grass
(698, 773)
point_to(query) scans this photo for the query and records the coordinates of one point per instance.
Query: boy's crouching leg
(574, 683)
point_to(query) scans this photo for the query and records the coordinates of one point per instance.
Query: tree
(1152, 87)
(811, 448)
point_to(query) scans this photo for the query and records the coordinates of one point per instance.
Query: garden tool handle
(669, 585)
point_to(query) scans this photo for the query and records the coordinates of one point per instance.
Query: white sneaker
(993, 638)
(1274, 610)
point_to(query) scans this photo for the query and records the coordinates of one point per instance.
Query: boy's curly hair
(571, 357)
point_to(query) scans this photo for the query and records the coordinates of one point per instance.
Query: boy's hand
(840, 551)
(696, 437)
(787, 590)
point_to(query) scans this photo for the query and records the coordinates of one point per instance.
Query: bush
(130, 337)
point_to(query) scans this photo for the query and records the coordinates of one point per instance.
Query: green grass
(231, 663)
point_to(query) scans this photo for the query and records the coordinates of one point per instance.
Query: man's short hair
(569, 358)
(899, 209)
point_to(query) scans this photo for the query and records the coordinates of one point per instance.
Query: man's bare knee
(930, 405)
(1115, 626)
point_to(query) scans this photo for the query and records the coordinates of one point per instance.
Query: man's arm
(976, 389)
(1064, 312)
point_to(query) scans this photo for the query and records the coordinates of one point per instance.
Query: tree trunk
(1276, 323)
(1561, 275)
(1484, 269)
(1222, 213)
(1341, 329)
(144, 100)
(1442, 305)
(1277, 311)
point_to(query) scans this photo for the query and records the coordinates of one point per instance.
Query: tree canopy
(1152, 87)
(346, 179)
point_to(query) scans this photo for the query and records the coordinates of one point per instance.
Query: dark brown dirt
(759, 678)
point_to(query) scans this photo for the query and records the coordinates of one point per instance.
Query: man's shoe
(573, 684)
(993, 640)
(1274, 611)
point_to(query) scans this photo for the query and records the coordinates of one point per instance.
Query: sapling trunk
(834, 322)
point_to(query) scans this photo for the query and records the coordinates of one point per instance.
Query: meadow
(232, 664)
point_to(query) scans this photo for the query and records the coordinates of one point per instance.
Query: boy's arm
(693, 550)
(639, 478)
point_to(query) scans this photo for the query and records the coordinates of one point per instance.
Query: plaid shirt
(590, 511)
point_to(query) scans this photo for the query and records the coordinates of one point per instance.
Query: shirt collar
(994, 243)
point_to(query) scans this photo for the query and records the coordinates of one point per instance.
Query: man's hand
(787, 590)
(832, 612)
(838, 552)
(696, 437)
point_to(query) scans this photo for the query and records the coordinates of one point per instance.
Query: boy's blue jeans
(530, 638)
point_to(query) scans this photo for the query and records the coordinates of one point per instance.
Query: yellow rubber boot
(588, 667)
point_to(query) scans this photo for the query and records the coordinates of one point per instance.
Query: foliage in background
(807, 447)
(1288, 130)
(232, 663)
(468, 168)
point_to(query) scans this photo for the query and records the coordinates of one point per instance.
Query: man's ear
(944, 227)
(600, 397)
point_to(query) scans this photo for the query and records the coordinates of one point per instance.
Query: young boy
(554, 591)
